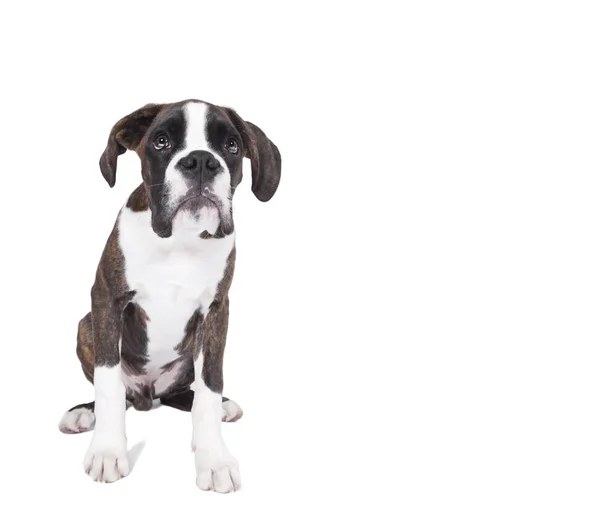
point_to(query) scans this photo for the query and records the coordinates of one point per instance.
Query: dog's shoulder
(110, 276)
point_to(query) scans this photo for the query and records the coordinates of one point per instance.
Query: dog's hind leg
(231, 411)
(183, 401)
(78, 419)
(81, 418)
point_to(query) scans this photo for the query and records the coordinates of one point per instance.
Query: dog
(159, 303)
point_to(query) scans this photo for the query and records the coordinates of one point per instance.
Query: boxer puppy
(160, 302)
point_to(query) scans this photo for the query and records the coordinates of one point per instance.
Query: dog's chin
(195, 204)
(202, 214)
(198, 214)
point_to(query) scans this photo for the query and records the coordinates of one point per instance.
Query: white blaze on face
(196, 118)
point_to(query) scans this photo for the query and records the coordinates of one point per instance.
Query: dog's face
(192, 161)
(191, 154)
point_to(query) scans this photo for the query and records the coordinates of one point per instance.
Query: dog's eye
(162, 141)
(232, 146)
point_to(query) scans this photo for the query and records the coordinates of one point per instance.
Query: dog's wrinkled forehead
(194, 125)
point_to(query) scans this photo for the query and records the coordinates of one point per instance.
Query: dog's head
(191, 154)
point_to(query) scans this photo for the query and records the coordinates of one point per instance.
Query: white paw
(106, 461)
(76, 421)
(218, 472)
(231, 411)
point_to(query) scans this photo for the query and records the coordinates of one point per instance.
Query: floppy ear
(264, 158)
(126, 135)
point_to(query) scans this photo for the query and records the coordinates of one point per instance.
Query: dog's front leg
(216, 468)
(106, 458)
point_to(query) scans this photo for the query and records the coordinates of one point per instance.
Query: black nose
(199, 163)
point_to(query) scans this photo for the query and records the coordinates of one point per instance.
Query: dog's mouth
(196, 202)
(204, 207)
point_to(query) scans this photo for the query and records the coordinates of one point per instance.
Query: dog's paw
(218, 472)
(106, 461)
(76, 421)
(231, 411)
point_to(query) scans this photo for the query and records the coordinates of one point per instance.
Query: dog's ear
(126, 135)
(264, 157)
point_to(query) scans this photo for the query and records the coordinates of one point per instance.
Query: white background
(414, 320)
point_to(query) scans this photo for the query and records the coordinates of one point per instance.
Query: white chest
(172, 277)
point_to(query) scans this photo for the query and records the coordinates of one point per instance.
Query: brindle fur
(128, 323)
(213, 333)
